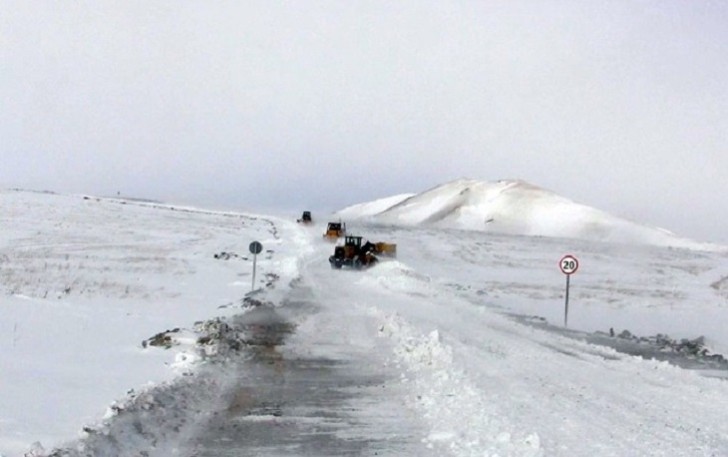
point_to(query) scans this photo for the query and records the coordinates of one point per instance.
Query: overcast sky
(621, 105)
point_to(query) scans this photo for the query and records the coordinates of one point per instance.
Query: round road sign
(256, 247)
(568, 264)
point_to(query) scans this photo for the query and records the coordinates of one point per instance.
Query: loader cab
(349, 250)
(354, 241)
(352, 254)
(335, 230)
(305, 218)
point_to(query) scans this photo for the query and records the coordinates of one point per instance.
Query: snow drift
(510, 207)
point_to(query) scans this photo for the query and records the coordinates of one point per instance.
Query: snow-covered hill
(510, 207)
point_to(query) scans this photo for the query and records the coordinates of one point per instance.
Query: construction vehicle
(353, 254)
(305, 218)
(335, 230)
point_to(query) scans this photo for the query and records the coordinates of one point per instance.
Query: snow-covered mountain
(510, 207)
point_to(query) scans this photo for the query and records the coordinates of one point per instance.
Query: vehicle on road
(305, 218)
(335, 230)
(353, 254)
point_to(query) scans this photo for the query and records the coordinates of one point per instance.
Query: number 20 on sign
(568, 265)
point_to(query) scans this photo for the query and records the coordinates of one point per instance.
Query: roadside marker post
(255, 249)
(568, 265)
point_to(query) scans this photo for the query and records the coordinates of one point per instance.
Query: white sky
(621, 105)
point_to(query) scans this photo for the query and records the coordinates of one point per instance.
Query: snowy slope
(372, 208)
(510, 207)
(86, 280)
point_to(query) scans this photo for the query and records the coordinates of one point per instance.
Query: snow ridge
(446, 396)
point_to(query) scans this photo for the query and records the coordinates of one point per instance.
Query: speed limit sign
(568, 264)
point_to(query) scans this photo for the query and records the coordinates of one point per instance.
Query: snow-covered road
(308, 394)
(483, 384)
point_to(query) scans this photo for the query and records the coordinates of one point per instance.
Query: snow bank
(462, 420)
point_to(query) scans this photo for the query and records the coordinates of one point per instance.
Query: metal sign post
(568, 265)
(255, 249)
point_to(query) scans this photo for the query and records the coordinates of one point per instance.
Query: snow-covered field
(85, 281)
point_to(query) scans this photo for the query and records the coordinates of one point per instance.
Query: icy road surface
(289, 402)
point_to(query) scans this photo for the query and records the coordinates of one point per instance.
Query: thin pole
(566, 305)
(255, 259)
